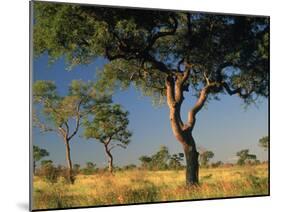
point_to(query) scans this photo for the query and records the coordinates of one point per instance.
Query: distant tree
(205, 158)
(159, 159)
(46, 162)
(109, 127)
(244, 156)
(89, 169)
(163, 53)
(217, 164)
(90, 165)
(145, 161)
(38, 154)
(175, 161)
(129, 167)
(62, 112)
(263, 142)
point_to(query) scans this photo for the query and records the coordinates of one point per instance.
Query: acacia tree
(159, 159)
(38, 154)
(163, 53)
(244, 156)
(63, 114)
(175, 161)
(145, 161)
(263, 142)
(205, 157)
(109, 127)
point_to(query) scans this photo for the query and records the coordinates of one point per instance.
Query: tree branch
(78, 117)
(162, 34)
(40, 125)
(62, 131)
(116, 145)
(170, 84)
(236, 91)
(199, 104)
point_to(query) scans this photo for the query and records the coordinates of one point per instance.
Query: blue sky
(224, 127)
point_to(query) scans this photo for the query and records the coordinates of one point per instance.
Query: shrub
(49, 173)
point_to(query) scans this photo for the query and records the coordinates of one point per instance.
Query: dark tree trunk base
(192, 166)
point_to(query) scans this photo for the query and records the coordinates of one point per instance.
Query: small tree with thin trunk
(109, 127)
(63, 114)
(38, 154)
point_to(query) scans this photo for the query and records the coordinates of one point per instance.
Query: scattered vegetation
(139, 186)
(245, 157)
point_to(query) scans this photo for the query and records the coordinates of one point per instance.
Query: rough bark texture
(69, 162)
(192, 164)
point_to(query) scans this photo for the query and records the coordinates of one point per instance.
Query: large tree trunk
(183, 131)
(69, 163)
(110, 159)
(192, 164)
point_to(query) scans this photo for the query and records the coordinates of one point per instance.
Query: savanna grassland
(142, 186)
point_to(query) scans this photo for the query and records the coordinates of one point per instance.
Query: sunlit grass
(139, 186)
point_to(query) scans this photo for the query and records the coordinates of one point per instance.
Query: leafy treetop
(109, 123)
(146, 47)
(264, 142)
(60, 111)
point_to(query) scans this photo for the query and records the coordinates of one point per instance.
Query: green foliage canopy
(175, 161)
(109, 123)
(143, 47)
(161, 160)
(244, 156)
(61, 110)
(39, 153)
(263, 142)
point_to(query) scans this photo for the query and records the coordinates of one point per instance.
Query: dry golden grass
(140, 186)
